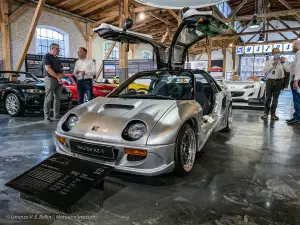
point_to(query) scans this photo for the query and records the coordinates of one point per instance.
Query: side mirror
(128, 24)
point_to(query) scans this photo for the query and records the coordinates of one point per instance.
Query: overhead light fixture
(254, 23)
(261, 38)
(142, 16)
(231, 45)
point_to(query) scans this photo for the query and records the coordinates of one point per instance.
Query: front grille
(237, 93)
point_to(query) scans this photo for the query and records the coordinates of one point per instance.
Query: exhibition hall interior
(150, 112)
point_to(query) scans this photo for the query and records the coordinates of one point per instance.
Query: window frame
(59, 31)
(116, 51)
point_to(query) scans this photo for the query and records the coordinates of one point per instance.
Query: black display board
(111, 67)
(60, 181)
(33, 64)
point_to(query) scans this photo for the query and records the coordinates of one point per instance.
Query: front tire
(185, 150)
(13, 105)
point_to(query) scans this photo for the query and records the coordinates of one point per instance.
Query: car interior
(204, 94)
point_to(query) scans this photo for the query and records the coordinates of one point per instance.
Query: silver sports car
(158, 130)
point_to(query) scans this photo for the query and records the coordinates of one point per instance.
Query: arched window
(114, 55)
(147, 55)
(45, 36)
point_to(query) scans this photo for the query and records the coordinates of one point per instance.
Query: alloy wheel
(188, 149)
(12, 104)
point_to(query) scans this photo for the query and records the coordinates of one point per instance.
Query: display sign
(287, 47)
(60, 181)
(258, 49)
(249, 49)
(111, 67)
(279, 46)
(268, 48)
(240, 50)
(33, 64)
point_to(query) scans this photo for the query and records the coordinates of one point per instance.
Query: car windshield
(173, 85)
(18, 77)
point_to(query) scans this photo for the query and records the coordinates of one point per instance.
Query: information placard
(60, 181)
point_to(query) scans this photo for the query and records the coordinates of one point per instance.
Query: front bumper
(35, 101)
(159, 159)
(242, 94)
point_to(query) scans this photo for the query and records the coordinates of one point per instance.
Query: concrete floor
(250, 176)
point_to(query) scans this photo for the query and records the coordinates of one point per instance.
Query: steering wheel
(26, 81)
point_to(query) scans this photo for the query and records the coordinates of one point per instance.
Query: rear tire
(13, 105)
(185, 150)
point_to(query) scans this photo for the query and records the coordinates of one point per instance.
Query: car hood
(240, 84)
(111, 115)
(29, 86)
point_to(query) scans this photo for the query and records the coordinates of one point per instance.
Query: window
(114, 55)
(147, 55)
(45, 36)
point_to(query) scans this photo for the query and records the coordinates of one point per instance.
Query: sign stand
(60, 182)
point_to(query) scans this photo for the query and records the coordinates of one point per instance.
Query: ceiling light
(261, 38)
(142, 16)
(231, 45)
(254, 23)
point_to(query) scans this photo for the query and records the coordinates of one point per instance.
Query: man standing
(53, 72)
(295, 72)
(85, 70)
(275, 68)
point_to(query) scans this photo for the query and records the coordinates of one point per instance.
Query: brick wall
(20, 27)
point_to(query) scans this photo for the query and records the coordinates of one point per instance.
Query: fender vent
(116, 106)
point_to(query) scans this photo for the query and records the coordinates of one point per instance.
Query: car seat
(175, 90)
(160, 89)
(201, 98)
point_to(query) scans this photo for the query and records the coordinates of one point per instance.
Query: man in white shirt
(295, 83)
(84, 71)
(275, 69)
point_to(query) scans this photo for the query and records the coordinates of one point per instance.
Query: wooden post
(224, 61)
(5, 34)
(209, 49)
(233, 61)
(30, 34)
(105, 58)
(123, 54)
(89, 41)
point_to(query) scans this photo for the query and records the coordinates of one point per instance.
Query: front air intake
(118, 106)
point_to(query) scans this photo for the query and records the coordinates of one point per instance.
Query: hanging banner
(258, 49)
(278, 46)
(249, 50)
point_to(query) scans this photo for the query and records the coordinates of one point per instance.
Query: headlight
(249, 86)
(34, 91)
(134, 131)
(70, 122)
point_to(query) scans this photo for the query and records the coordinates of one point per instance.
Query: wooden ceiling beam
(281, 13)
(81, 4)
(287, 26)
(164, 20)
(237, 9)
(16, 14)
(105, 20)
(61, 3)
(286, 4)
(96, 7)
(281, 34)
(80, 28)
(143, 9)
(173, 14)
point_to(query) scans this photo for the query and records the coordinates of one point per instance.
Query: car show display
(21, 91)
(160, 129)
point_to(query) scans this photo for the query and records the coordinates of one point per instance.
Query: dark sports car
(21, 91)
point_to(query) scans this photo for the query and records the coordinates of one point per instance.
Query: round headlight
(72, 121)
(136, 130)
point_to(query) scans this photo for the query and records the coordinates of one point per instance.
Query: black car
(21, 91)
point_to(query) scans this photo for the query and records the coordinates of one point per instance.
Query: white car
(244, 90)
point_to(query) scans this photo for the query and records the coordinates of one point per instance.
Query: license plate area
(93, 150)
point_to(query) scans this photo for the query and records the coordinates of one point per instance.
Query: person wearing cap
(295, 83)
(275, 69)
